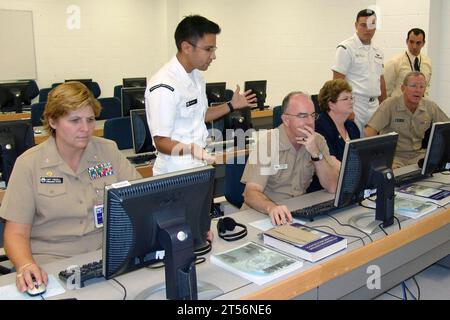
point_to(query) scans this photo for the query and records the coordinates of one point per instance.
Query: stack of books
(412, 208)
(256, 263)
(421, 193)
(303, 241)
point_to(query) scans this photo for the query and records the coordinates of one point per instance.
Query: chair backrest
(315, 100)
(32, 90)
(233, 188)
(119, 130)
(94, 87)
(118, 91)
(228, 94)
(110, 108)
(37, 110)
(43, 94)
(276, 118)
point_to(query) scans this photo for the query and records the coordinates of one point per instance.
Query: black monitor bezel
(140, 113)
(436, 129)
(124, 91)
(126, 82)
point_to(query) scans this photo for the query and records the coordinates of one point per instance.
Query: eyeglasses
(414, 86)
(303, 115)
(210, 50)
(351, 98)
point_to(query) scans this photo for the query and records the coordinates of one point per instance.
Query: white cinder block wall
(120, 38)
(290, 43)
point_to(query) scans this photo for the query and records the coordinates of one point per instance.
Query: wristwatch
(318, 157)
(230, 106)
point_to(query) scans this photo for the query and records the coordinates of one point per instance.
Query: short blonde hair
(66, 97)
(331, 91)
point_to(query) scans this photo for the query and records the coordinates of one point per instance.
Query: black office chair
(118, 92)
(43, 94)
(110, 108)
(276, 117)
(233, 188)
(119, 130)
(37, 110)
(315, 100)
(3, 269)
(32, 90)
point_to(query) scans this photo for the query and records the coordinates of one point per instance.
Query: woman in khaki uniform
(57, 187)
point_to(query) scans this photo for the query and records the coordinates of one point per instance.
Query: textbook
(424, 194)
(412, 208)
(256, 263)
(305, 242)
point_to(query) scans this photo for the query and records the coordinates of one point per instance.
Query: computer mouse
(37, 289)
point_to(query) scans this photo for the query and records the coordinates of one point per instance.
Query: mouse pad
(10, 292)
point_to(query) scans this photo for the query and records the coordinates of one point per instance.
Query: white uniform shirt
(362, 66)
(399, 66)
(176, 104)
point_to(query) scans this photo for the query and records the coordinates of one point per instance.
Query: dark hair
(417, 32)
(365, 13)
(192, 28)
(331, 91)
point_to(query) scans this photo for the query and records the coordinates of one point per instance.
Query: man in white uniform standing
(176, 102)
(360, 62)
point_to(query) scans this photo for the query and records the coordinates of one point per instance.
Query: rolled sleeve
(380, 119)
(19, 205)
(342, 61)
(161, 111)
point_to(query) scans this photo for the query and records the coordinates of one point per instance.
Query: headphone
(228, 224)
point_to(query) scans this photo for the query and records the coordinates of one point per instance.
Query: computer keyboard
(142, 158)
(409, 177)
(314, 210)
(87, 272)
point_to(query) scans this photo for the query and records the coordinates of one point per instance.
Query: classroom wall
(440, 26)
(291, 43)
(116, 39)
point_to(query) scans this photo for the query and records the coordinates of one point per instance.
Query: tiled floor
(434, 283)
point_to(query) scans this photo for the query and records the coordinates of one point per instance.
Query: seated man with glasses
(410, 115)
(284, 160)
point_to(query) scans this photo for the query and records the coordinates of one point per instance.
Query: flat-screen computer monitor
(168, 212)
(142, 138)
(132, 98)
(14, 96)
(437, 157)
(216, 92)
(238, 119)
(366, 169)
(15, 138)
(259, 88)
(134, 82)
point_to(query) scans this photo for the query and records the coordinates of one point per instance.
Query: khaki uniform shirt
(292, 175)
(399, 66)
(45, 192)
(393, 115)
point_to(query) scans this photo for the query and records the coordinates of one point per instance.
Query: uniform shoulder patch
(161, 85)
(342, 46)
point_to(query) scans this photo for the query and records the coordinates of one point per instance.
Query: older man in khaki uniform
(288, 171)
(59, 203)
(410, 115)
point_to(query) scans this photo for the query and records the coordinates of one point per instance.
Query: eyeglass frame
(304, 115)
(415, 86)
(349, 98)
(210, 50)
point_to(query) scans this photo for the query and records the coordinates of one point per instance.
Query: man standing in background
(405, 62)
(176, 102)
(360, 62)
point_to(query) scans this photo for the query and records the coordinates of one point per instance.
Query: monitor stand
(206, 291)
(366, 222)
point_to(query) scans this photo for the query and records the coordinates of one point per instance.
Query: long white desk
(344, 275)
